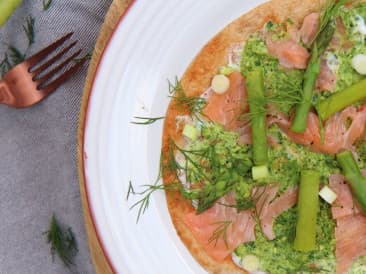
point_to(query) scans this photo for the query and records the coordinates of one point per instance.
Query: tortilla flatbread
(197, 79)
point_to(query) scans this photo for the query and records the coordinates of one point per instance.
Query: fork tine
(52, 60)
(34, 59)
(61, 79)
(44, 78)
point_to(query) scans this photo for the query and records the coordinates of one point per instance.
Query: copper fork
(31, 81)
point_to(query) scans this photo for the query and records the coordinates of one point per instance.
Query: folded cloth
(38, 145)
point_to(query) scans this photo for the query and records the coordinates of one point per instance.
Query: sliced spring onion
(220, 83)
(259, 172)
(191, 132)
(327, 194)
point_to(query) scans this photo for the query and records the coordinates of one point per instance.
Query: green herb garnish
(46, 4)
(321, 42)
(194, 104)
(29, 29)
(144, 202)
(16, 56)
(5, 64)
(146, 120)
(220, 232)
(62, 242)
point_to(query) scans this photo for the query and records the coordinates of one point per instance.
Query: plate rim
(83, 121)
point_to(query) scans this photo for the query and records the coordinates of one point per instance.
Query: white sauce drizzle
(332, 61)
(360, 25)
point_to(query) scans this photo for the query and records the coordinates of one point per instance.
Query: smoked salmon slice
(326, 79)
(226, 108)
(235, 228)
(350, 234)
(287, 200)
(309, 28)
(340, 131)
(344, 204)
(350, 231)
(289, 53)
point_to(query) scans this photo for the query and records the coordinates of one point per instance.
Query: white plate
(155, 41)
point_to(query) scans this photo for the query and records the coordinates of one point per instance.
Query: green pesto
(279, 257)
(359, 266)
(217, 164)
(282, 87)
(355, 44)
(288, 159)
(361, 152)
(351, 17)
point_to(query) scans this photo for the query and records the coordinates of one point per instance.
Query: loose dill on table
(29, 29)
(15, 56)
(46, 4)
(86, 57)
(62, 242)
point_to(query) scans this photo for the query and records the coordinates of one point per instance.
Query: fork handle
(6, 97)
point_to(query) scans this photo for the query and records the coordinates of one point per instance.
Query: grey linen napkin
(38, 145)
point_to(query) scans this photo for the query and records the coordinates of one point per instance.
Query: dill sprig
(46, 4)
(29, 29)
(330, 9)
(144, 202)
(194, 104)
(86, 57)
(188, 157)
(16, 56)
(62, 242)
(5, 64)
(220, 232)
(146, 120)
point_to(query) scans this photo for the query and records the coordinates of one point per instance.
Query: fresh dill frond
(130, 190)
(330, 9)
(46, 4)
(144, 202)
(194, 104)
(242, 204)
(220, 232)
(146, 120)
(62, 242)
(29, 29)
(87, 57)
(188, 157)
(175, 87)
(309, 269)
(16, 56)
(5, 64)
(171, 164)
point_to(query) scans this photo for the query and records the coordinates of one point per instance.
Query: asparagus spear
(307, 208)
(342, 99)
(311, 74)
(257, 107)
(7, 7)
(353, 176)
(321, 42)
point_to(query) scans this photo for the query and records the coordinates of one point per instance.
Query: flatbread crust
(197, 79)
